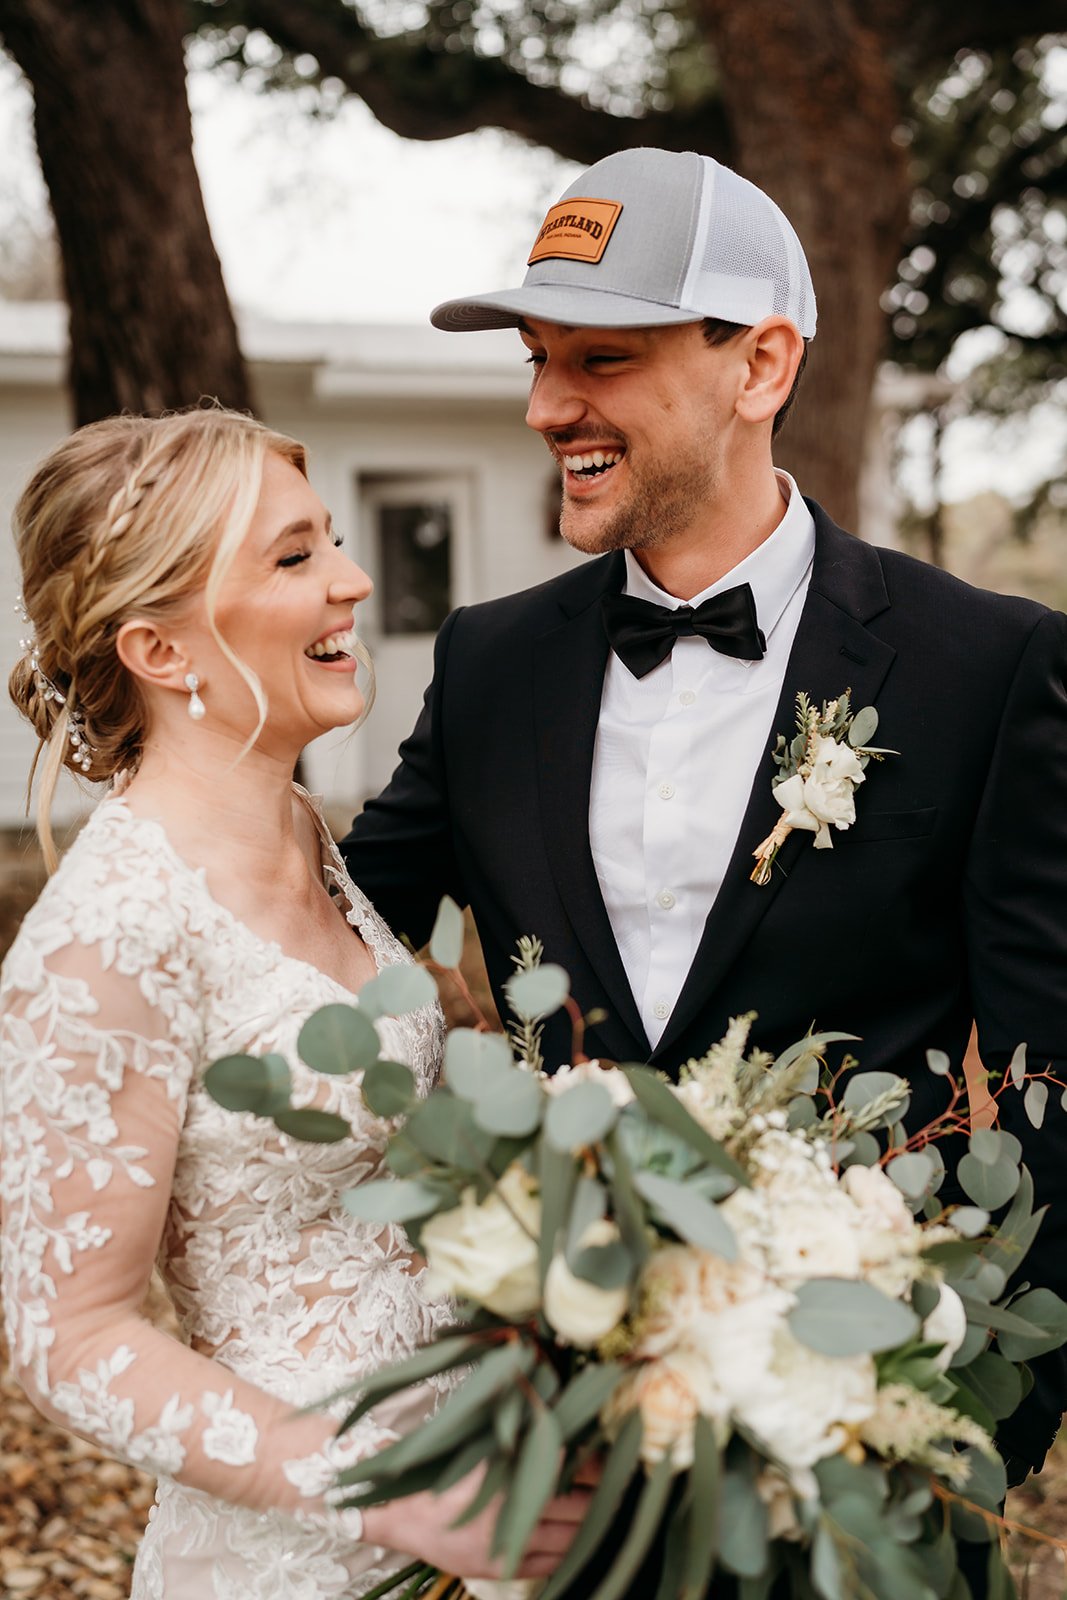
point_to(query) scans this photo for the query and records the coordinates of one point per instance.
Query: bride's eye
(295, 559)
(337, 540)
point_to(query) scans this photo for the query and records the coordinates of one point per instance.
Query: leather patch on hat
(576, 230)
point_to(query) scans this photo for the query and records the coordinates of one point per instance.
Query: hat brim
(564, 303)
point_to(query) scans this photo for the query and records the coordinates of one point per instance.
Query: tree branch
(425, 93)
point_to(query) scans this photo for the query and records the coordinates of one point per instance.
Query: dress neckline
(359, 916)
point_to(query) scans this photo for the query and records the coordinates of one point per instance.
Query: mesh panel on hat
(745, 267)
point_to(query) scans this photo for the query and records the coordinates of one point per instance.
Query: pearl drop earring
(196, 705)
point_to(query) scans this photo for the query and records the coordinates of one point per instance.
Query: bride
(191, 629)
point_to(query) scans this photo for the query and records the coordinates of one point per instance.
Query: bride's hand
(420, 1525)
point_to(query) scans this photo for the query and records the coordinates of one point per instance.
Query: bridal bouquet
(740, 1294)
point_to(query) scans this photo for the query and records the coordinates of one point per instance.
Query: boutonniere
(819, 771)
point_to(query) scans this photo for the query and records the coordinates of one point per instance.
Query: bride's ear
(152, 655)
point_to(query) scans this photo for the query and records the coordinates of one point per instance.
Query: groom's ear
(152, 654)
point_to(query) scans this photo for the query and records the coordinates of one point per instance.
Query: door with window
(415, 543)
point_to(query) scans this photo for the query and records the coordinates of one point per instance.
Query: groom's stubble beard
(660, 505)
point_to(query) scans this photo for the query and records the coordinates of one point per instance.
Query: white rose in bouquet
(487, 1251)
(805, 1409)
(610, 1078)
(946, 1325)
(581, 1312)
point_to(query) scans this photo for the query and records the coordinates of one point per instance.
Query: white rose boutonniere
(819, 771)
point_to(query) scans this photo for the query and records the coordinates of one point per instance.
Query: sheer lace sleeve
(100, 1036)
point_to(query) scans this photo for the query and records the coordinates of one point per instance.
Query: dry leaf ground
(71, 1518)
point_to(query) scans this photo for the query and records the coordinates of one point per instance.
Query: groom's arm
(1016, 928)
(399, 850)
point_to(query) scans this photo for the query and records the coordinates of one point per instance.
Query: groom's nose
(556, 398)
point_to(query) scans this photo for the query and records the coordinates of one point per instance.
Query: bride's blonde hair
(128, 517)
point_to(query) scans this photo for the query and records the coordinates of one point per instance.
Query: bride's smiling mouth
(337, 649)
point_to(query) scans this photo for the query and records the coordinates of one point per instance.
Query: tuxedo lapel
(568, 678)
(833, 651)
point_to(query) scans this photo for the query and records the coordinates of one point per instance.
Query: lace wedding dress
(126, 981)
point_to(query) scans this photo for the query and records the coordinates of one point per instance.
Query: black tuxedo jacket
(945, 901)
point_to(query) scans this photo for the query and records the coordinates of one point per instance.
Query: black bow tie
(642, 634)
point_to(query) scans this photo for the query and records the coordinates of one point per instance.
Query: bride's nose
(349, 581)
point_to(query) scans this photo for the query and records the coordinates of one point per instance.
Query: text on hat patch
(576, 230)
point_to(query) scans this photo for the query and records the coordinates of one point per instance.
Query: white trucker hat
(650, 237)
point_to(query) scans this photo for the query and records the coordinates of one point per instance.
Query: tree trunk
(150, 323)
(812, 109)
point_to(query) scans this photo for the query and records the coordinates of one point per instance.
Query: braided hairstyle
(127, 517)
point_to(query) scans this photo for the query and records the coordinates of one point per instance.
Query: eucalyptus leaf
(912, 1173)
(312, 1125)
(585, 1396)
(659, 1103)
(1000, 1319)
(826, 1575)
(705, 1481)
(989, 1280)
(996, 1382)
(444, 1127)
(536, 1476)
(396, 991)
(847, 1317)
(1017, 1066)
(1048, 1313)
(538, 992)
(463, 1413)
(609, 1266)
(249, 1083)
(580, 1116)
(447, 1353)
(618, 1468)
(688, 1214)
(590, 1205)
(975, 1341)
(743, 1525)
(988, 1185)
(863, 728)
(474, 1061)
(1035, 1100)
(938, 1062)
(863, 1087)
(394, 1199)
(496, 1480)
(446, 940)
(993, 1145)
(865, 1152)
(511, 1105)
(811, 1046)
(338, 1039)
(970, 1221)
(389, 1089)
(629, 1211)
(557, 1176)
(641, 1529)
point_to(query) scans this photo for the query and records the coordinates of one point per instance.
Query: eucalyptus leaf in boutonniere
(819, 771)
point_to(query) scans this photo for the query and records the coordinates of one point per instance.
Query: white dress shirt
(673, 765)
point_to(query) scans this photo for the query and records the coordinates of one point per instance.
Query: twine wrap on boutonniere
(819, 771)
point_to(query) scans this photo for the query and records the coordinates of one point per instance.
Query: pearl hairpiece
(82, 751)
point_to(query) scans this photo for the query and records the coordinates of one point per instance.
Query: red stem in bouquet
(949, 1497)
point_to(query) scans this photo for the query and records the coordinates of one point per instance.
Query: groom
(592, 764)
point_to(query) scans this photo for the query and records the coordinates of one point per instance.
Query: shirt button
(666, 791)
(661, 1010)
(666, 899)
(687, 697)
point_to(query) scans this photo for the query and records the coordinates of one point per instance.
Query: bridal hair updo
(129, 517)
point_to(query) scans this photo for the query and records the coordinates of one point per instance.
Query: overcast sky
(339, 220)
